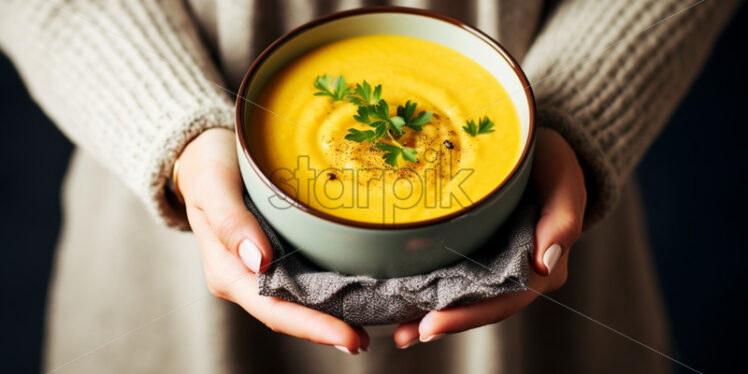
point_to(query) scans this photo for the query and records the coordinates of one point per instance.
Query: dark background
(692, 181)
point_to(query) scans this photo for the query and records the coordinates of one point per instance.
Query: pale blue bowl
(399, 249)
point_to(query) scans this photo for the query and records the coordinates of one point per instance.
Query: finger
(363, 338)
(219, 196)
(295, 320)
(559, 185)
(228, 278)
(406, 335)
(451, 320)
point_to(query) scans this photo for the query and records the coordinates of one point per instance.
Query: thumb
(557, 229)
(220, 198)
(561, 192)
(210, 183)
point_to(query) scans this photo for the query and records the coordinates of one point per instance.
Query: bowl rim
(241, 99)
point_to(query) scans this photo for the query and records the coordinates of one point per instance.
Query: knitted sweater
(133, 81)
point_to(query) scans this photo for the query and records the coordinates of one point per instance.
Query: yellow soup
(298, 139)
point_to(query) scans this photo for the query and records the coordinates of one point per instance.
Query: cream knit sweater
(132, 81)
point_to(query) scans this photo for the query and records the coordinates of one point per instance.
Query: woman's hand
(559, 186)
(234, 247)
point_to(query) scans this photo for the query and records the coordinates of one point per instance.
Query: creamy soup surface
(298, 140)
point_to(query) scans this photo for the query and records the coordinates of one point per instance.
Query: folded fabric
(500, 266)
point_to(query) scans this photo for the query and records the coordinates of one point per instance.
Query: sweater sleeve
(608, 75)
(127, 80)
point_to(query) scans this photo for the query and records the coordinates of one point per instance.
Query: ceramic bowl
(398, 249)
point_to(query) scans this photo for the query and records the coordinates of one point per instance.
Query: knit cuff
(160, 202)
(601, 179)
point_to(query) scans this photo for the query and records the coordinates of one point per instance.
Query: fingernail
(551, 256)
(431, 338)
(250, 255)
(346, 350)
(410, 344)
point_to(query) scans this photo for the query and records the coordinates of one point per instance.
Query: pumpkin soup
(384, 129)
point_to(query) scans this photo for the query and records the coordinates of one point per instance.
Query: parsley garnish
(393, 151)
(416, 123)
(322, 83)
(359, 136)
(378, 117)
(362, 94)
(484, 126)
(375, 112)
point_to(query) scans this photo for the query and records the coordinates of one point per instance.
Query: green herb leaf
(406, 111)
(379, 130)
(388, 147)
(360, 136)
(417, 122)
(381, 110)
(363, 115)
(339, 90)
(322, 83)
(470, 127)
(377, 93)
(391, 153)
(378, 124)
(484, 126)
(362, 94)
(397, 124)
(355, 100)
(409, 154)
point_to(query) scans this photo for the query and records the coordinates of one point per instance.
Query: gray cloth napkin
(501, 266)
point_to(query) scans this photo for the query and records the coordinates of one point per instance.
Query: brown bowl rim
(240, 103)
